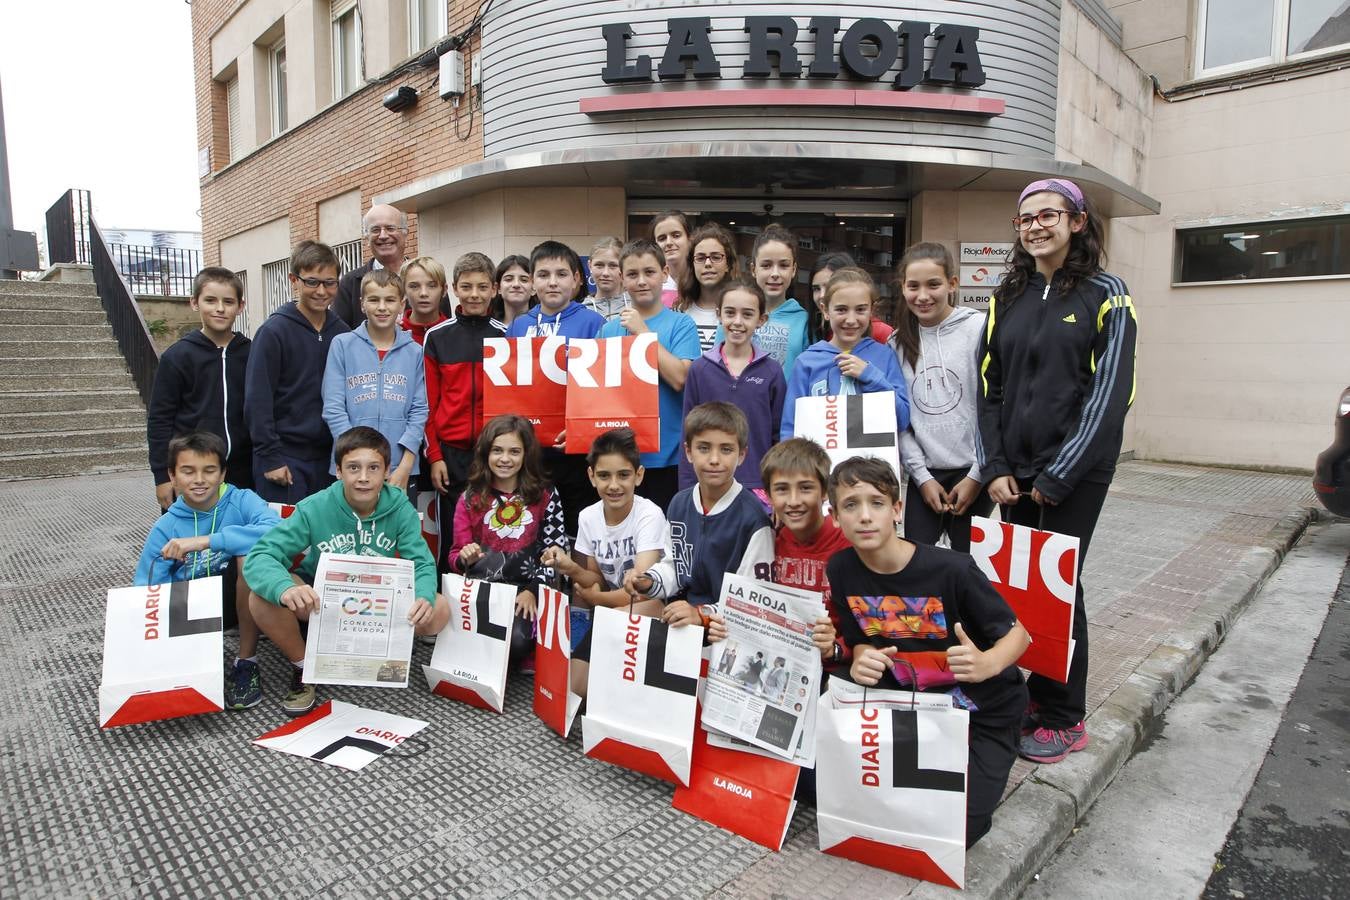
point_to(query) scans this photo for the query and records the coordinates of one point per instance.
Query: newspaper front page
(763, 679)
(361, 634)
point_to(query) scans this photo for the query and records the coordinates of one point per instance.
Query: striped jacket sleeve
(1109, 398)
(989, 454)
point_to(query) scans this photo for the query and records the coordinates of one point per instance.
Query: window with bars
(349, 255)
(276, 286)
(232, 118)
(246, 316)
(347, 75)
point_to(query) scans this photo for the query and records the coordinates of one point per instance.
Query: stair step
(66, 381)
(51, 302)
(48, 318)
(75, 420)
(93, 439)
(69, 401)
(48, 463)
(21, 349)
(49, 288)
(56, 332)
(108, 363)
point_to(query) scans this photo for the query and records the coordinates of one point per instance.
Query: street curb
(1043, 811)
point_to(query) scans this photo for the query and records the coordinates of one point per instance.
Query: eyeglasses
(377, 230)
(702, 258)
(329, 283)
(1046, 218)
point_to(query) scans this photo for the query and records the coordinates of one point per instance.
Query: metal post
(18, 249)
(6, 210)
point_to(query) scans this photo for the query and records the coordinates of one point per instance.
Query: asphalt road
(1292, 837)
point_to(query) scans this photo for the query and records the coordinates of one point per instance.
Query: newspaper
(763, 679)
(361, 634)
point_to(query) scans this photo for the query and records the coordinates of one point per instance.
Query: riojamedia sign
(867, 51)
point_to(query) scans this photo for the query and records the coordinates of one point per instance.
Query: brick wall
(355, 143)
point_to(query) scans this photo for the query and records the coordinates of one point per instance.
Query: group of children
(1023, 407)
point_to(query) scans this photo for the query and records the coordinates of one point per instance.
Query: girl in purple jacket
(737, 371)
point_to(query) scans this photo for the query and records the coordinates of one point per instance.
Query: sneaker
(1031, 719)
(1050, 745)
(243, 686)
(300, 698)
(527, 663)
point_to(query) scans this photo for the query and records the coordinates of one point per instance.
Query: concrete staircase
(68, 405)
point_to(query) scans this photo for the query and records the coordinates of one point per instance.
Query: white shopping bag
(851, 425)
(891, 781)
(554, 701)
(641, 694)
(341, 734)
(162, 652)
(471, 653)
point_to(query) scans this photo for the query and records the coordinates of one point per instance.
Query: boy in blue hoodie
(375, 376)
(556, 270)
(850, 362)
(716, 526)
(207, 531)
(361, 514)
(283, 403)
(200, 384)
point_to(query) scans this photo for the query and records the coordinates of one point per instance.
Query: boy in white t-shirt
(623, 552)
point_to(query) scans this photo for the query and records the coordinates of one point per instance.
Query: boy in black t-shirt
(934, 609)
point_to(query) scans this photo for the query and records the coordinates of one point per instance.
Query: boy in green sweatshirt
(361, 515)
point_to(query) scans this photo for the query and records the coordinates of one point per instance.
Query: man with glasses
(386, 231)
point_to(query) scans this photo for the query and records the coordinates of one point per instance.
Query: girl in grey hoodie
(937, 346)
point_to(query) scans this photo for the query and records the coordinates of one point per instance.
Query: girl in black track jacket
(1056, 379)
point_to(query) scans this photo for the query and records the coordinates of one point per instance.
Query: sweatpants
(924, 526)
(1064, 705)
(308, 476)
(457, 467)
(993, 750)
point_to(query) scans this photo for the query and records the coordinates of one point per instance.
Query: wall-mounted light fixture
(400, 99)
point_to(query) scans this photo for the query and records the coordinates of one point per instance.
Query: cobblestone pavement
(497, 805)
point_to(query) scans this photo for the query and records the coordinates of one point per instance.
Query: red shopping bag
(1037, 573)
(612, 383)
(744, 793)
(527, 377)
(554, 701)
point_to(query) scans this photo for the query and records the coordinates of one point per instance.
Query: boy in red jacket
(454, 369)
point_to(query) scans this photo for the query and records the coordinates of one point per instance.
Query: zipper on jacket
(225, 406)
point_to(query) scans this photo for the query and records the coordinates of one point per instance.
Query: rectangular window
(276, 287)
(1242, 34)
(277, 65)
(426, 23)
(232, 118)
(347, 68)
(1292, 248)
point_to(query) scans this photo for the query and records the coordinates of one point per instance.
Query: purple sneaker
(1050, 745)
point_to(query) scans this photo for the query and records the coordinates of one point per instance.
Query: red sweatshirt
(418, 332)
(803, 566)
(454, 367)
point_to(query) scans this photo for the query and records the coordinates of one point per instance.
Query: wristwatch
(837, 654)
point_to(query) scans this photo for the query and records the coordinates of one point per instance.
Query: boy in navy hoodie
(716, 526)
(200, 384)
(207, 531)
(558, 281)
(284, 385)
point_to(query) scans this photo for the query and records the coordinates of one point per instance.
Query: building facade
(1213, 149)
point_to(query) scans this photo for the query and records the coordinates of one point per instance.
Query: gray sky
(98, 95)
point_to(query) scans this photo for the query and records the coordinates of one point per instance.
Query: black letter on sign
(855, 435)
(823, 64)
(858, 62)
(689, 43)
(912, 36)
(956, 60)
(771, 36)
(656, 675)
(485, 627)
(179, 623)
(374, 748)
(617, 70)
(905, 758)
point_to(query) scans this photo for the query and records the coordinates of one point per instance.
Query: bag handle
(913, 682)
(420, 746)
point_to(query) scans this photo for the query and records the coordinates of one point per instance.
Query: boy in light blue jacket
(850, 362)
(205, 532)
(375, 377)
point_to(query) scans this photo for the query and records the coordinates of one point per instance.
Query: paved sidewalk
(497, 805)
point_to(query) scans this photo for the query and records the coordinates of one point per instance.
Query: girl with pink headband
(1057, 364)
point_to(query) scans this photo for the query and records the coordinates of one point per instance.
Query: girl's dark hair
(769, 235)
(478, 495)
(1087, 253)
(498, 307)
(691, 289)
(675, 214)
(906, 326)
(749, 285)
(834, 260)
